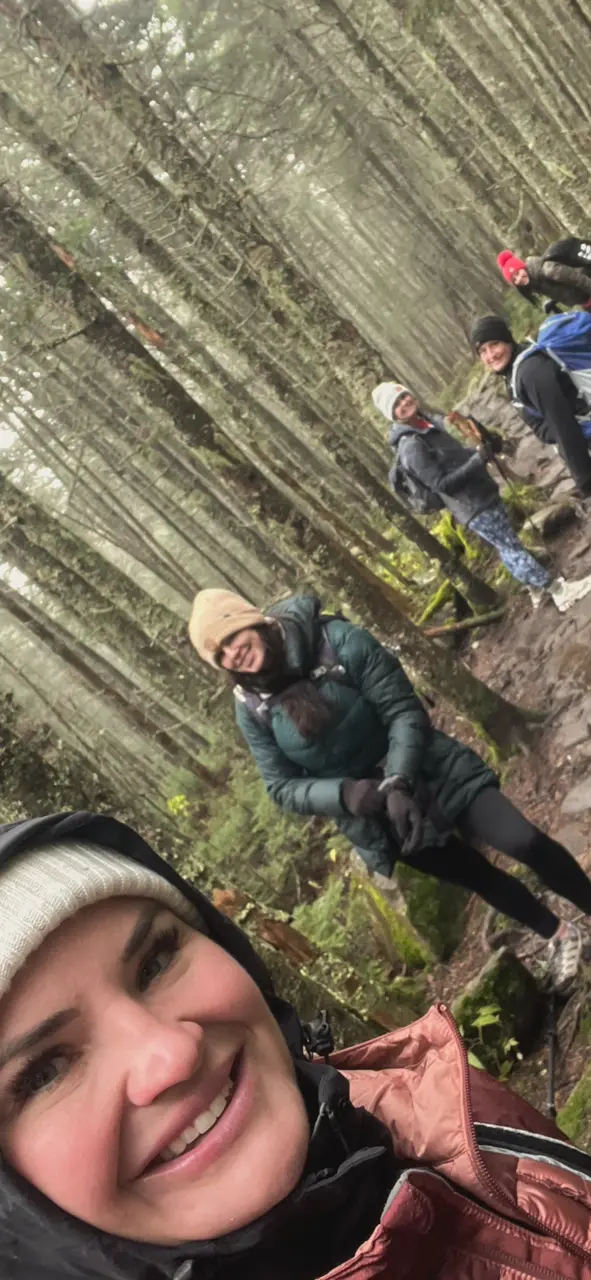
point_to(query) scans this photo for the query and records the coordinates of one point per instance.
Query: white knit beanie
(386, 395)
(41, 888)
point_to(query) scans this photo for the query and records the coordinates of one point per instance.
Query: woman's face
(405, 407)
(244, 651)
(495, 355)
(520, 277)
(144, 1085)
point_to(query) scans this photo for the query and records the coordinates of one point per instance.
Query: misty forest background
(220, 225)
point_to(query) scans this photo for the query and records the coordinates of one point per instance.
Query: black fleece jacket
(548, 403)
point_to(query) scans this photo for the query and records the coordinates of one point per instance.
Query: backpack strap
(536, 348)
(328, 664)
(255, 703)
(327, 659)
(520, 404)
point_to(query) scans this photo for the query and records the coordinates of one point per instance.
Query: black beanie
(490, 329)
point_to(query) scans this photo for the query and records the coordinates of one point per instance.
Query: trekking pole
(552, 1041)
(494, 459)
(458, 419)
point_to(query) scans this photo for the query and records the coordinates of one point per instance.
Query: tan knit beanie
(42, 888)
(217, 614)
(386, 395)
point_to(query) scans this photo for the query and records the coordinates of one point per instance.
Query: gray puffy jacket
(446, 467)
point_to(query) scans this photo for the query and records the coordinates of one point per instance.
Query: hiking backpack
(566, 338)
(409, 489)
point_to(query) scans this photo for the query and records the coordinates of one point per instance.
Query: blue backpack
(566, 338)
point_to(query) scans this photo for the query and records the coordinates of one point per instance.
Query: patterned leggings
(493, 525)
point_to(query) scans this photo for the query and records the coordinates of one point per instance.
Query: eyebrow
(141, 931)
(57, 1021)
(31, 1039)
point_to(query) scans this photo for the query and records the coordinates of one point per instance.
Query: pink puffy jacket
(493, 1191)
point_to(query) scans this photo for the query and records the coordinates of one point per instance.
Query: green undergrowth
(523, 319)
(436, 910)
(42, 774)
(369, 949)
(369, 953)
(575, 1117)
(348, 909)
(242, 839)
(499, 1012)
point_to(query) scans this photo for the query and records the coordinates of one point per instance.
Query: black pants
(494, 820)
(574, 449)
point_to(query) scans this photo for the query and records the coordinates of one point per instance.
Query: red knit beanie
(509, 265)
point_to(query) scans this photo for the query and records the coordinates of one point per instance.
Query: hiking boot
(564, 956)
(565, 594)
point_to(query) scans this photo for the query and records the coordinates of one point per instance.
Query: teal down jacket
(377, 717)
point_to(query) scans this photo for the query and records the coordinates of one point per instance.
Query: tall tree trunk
(58, 33)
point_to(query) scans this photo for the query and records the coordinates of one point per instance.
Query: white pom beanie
(386, 395)
(42, 888)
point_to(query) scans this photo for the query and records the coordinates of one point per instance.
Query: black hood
(350, 1163)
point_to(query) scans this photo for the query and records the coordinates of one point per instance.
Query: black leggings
(492, 819)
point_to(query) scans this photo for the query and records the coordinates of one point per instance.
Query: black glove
(405, 816)
(496, 442)
(362, 797)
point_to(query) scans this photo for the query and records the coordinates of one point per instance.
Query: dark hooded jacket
(457, 475)
(432, 1170)
(377, 719)
(350, 1165)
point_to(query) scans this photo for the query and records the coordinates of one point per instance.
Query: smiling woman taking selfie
(160, 1120)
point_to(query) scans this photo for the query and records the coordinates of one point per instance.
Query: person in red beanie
(559, 275)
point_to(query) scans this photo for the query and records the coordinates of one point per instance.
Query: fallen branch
(466, 624)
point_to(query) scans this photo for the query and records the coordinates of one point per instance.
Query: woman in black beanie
(544, 394)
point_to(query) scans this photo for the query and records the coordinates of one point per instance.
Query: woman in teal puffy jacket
(336, 729)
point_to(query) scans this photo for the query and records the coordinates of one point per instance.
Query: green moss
(521, 500)
(406, 1000)
(400, 939)
(575, 1117)
(499, 1012)
(585, 1027)
(435, 909)
(456, 538)
(442, 596)
(309, 997)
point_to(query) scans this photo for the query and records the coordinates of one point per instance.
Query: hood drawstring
(333, 1096)
(317, 1036)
